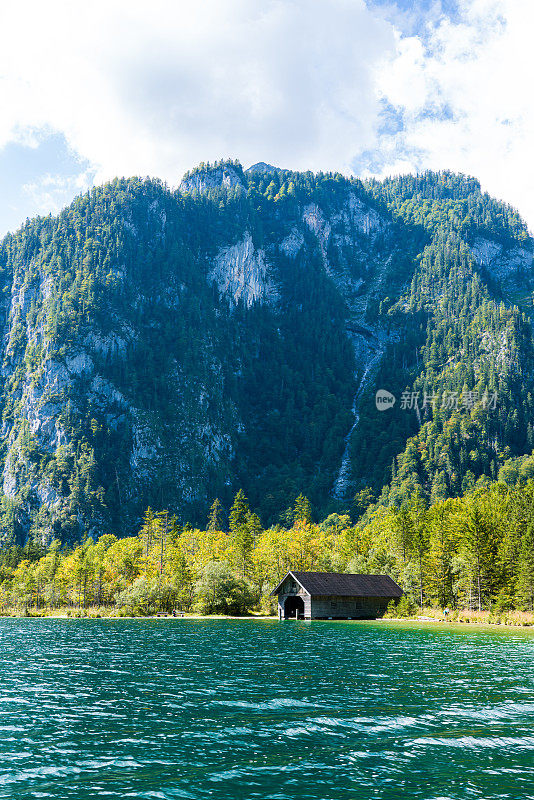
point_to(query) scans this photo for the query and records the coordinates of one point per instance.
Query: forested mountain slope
(166, 347)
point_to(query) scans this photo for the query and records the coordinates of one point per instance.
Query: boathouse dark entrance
(294, 608)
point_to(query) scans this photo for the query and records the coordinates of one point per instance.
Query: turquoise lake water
(260, 709)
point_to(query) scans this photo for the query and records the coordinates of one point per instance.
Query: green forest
(136, 375)
(472, 553)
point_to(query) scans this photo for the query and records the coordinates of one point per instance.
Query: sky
(90, 91)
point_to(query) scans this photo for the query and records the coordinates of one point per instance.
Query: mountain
(164, 347)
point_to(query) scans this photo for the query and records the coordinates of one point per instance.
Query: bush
(219, 591)
(139, 598)
(405, 607)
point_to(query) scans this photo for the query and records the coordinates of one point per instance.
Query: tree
(477, 546)
(219, 592)
(302, 511)
(525, 578)
(239, 511)
(403, 528)
(419, 538)
(139, 598)
(215, 519)
(362, 500)
(441, 555)
(242, 533)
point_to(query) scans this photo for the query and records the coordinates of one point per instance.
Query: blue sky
(368, 87)
(39, 176)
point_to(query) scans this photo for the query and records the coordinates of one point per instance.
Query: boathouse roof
(343, 584)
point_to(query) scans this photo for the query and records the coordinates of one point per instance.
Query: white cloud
(50, 193)
(465, 96)
(152, 89)
(140, 88)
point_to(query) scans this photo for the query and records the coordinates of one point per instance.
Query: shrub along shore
(431, 615)
(473, 555)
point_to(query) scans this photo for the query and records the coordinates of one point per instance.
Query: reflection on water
(261, 709)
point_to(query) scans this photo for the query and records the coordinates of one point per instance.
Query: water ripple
(233, 710)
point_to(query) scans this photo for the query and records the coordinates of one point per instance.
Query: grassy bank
(523, 619)
(461, 616)
(110, 613)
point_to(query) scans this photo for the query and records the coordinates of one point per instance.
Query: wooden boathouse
(334, 595)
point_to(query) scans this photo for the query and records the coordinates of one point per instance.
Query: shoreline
(502, 624)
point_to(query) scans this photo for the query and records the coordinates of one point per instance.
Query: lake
(230, 709)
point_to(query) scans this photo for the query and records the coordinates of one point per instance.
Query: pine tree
(525, 579)
(302, 511)
(239, 511)
(403, 529)
(240, 531)
(441, 555)
(476, 543)
(215, 517)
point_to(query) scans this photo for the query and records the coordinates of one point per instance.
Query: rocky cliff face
(202, 180)
(241, 274)
(509, 264)
(164, 348)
